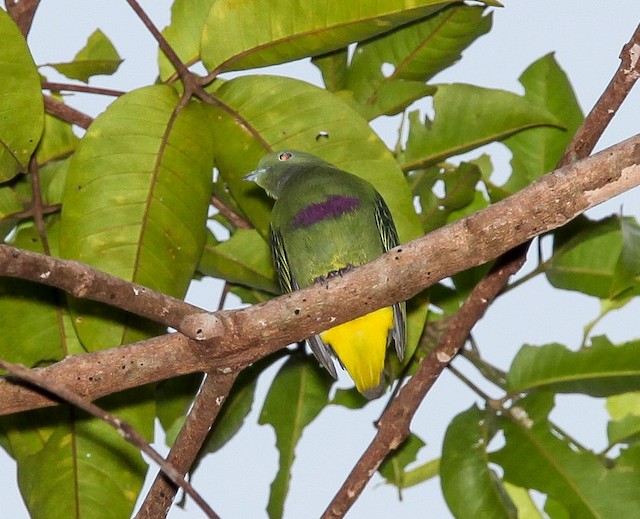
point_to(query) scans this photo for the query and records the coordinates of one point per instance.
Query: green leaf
(421, 473)
(97, 57)
(469, 486)
(79, 467)
(587, 254)
(535, 457)
(487, 115)
(414, 53)
(393, 468)
(21, 105)
(36, 340)
(537, 151)
(600, 370)
(333, 67)
(627, 269)
(244, 258)
(136, 202)
(67, 462)
(298, 394)
(349, 398)
(184, 33)
(268, 32)
(460, 192)
(625, 413)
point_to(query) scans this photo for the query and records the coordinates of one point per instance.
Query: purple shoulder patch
(332, 207)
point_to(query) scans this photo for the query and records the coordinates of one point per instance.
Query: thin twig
(66, 113)
(37, 204)
(86, 89)
(28, 213)
(126, 430)
(162, 42)
(239, 221)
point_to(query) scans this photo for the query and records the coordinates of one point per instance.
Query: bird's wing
(288, 283)
(389, 237)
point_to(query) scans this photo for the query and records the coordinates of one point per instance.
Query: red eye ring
(285, 155)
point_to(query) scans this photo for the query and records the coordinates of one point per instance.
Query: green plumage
(325, 221)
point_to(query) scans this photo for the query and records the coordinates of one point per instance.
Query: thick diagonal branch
(235, 338)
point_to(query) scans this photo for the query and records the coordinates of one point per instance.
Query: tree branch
(208, 403)
(66, 113)
(235, 338)
(22, 12)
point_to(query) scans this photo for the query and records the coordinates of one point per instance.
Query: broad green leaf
(67, 462)
(242, 35)
(97, 57)
(184, 33)
(486, 115)
(586, 255)
(58, 140)
(470, 487)
(536, 151)
(535, 457)
(393, 468)
(244, 258)
(79, 467)
(523, 502)
(136, 202)
(413, 54)
(36, 340)
(296, 396)
(603, 369)
(21, 105)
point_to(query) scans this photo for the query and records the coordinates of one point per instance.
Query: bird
(325, 222)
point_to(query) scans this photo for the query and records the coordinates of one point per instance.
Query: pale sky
(586, 36)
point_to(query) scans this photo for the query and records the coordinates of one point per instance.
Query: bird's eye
(285, 155)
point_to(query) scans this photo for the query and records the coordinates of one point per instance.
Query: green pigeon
(324, 222)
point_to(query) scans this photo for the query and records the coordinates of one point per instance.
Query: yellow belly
(361, 346)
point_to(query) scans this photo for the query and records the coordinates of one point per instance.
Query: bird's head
(275, 169)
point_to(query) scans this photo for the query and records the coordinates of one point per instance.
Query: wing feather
(389, 237)
(288, 283)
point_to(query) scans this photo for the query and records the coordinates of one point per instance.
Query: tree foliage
(132, 196)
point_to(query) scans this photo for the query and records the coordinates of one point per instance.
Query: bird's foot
(334, 273)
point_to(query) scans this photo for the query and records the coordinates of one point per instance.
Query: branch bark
(232, 339)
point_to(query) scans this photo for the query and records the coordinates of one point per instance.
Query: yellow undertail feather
(361, 345)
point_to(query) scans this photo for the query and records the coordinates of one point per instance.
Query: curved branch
(235, 338)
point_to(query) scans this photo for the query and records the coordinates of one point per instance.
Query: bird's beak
(254, 175)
